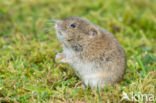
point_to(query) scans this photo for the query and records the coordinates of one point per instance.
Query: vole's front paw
(60, 56)
(65, 60)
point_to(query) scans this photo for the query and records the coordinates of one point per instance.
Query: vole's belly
(86, 71)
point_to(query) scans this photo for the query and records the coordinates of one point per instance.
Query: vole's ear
(93, 32)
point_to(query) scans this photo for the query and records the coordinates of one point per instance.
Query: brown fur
(92, 44)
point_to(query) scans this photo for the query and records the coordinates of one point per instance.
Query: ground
(28, 45)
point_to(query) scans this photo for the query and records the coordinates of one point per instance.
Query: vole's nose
(59, 23)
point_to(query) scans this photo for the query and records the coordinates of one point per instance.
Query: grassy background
(28, 45)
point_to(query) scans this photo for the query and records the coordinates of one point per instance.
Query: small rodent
(94, 53)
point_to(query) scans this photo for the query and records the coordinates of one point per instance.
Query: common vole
(94, 54)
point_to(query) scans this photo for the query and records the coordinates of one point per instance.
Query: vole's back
(108, 58)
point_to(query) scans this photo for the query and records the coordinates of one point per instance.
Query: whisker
(47, 29)
(59, 29)
(52, 21)
(50, 25)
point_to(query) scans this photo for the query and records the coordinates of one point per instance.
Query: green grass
(28, 45)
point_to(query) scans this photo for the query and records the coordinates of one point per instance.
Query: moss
(28, 45)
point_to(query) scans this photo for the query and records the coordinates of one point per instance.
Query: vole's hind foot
(83, 86)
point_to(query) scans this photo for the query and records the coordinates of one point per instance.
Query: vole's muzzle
(59, 24)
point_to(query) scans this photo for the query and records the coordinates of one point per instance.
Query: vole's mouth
(59, 32)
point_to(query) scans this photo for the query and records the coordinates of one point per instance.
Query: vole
(95, 55)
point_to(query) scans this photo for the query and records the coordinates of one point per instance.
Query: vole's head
(75, 32)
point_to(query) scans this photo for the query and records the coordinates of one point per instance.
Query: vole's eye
(73, 25)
